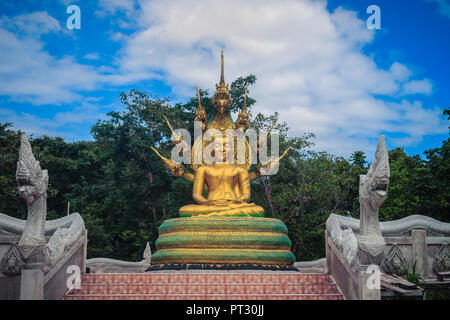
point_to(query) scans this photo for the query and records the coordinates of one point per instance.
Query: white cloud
(399, 72)
(28, 73)
(308, 62)
(62, 124)
(124, 12)
(92, 56)
(114, 6)
(417, 86)
(35, 23)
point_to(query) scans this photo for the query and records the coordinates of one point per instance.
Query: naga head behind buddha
(221, 100)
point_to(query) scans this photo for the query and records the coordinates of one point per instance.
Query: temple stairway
(206, 286)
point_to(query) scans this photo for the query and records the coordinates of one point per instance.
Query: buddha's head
(221, 147)
(220, 151)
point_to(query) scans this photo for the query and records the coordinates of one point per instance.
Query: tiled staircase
(206, 286)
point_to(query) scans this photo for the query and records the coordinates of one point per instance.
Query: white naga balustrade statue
(35, 251)
(354, 245)
(368, 246)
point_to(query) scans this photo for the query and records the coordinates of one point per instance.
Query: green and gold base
(223, 240)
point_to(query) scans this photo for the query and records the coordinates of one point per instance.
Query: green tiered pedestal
(223, 240)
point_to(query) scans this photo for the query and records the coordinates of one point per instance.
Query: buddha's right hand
(220, 202)
(225, 202)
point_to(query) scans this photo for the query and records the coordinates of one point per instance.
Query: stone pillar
(419, 251)
(32, 285)
(83, 263)
(326, 269)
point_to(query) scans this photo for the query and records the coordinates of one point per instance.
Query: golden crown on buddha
(222, 227)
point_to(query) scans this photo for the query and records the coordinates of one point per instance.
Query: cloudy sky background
(316, 62)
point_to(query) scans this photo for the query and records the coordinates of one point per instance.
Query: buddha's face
(222, 146)
(221, 101)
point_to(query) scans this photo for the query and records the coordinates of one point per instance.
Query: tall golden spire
(222, 86)
(222, 76)
(244, 106)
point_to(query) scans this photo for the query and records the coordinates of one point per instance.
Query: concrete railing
(415, 243)
(66, 243)
(351, 280)
(106, 265)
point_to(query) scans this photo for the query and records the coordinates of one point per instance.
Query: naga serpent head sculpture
(373, 186)
(373, 189)
(31, 179)
(33, 182)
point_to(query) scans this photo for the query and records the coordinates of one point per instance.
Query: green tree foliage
(419, 186)
(358, 158)
(124, 192)
(308, 187)
(10, 201)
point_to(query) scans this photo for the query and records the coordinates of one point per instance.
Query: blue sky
(316, 62)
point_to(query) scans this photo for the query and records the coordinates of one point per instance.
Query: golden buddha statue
(222, 227)
(228, 188)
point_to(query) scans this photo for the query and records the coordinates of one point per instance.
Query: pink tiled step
(206, 286)
(206, 297)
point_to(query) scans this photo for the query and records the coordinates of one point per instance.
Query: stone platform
(204, 285)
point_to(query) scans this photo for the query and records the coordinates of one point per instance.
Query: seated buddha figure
(228, 188)
(222, 227)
